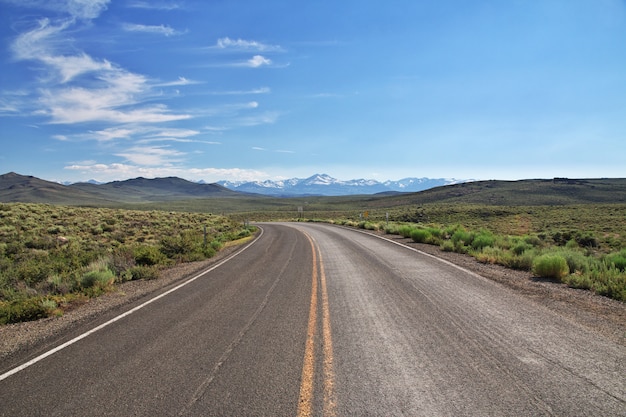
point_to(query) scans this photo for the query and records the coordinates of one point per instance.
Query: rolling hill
(27, 189)
(176, 192)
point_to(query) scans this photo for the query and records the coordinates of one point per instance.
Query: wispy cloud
(77, 9)
(112, 133)
(245, 45)
(258, 148)
(12, 102)
(152, 155)
(109, 103)
(153, 29)
(182, 81)
(119, 171)
(112, 94)
(40, 44)
(262, 90)
(257, 119)
(154, 5)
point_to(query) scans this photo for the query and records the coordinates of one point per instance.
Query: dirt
(600, 314)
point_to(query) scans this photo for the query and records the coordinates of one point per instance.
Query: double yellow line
(307, 389)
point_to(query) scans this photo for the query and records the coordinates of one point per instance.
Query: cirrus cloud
(240, 44)
(154, 29)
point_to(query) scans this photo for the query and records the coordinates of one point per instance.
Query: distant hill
(173, 191)
(557, 191)
(26, 189)
(325, 185)
(158, 189)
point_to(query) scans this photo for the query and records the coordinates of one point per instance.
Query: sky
(245, 90)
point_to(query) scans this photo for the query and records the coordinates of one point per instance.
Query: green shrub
(520, 247)
(576, 260)
(22, 310)
(534, 241)
(603, 280)
(462, 237)
(100, 279)
(421, 236)
(148, 255)
(491, 255)
(550, 266)
(447, 246)
(122, 259)
(144, 272)
(523, 262)
(176, 247)
(617, 260)
(405, 230)
(483, 239)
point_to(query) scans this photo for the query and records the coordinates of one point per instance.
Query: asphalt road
(312, 319)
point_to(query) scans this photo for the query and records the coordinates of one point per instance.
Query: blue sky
(255, 90)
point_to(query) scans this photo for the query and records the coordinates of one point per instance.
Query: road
(313, 319)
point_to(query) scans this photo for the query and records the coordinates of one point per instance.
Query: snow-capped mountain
(323, 184)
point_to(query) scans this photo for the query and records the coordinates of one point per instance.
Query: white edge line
(416, 250)
(121, 316)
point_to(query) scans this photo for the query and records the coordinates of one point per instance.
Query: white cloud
(180, 82)
(117, 171)
(261, 90)
(40, 44)
(109, 103)
(77, 9)
(257, 61)
(86, 9)
(111, 95)
(154, 5)
(156, 29)
(151, 155)
(175, 133)
(112, 133)
(240, 44)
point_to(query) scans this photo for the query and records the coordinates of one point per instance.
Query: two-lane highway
(314, 319)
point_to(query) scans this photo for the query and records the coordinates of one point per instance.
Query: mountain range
(20, 188)
(325, 185)
(172, 192)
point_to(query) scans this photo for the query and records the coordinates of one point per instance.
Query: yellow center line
(329, 373)
(305, 404)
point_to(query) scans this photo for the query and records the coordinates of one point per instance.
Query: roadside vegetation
(53, 258)
(583, 247)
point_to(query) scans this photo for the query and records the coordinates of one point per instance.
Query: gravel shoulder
(599, 314)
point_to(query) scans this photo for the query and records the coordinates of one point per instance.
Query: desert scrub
(575, 261)
(551, 266)
(421, 235)
(50, 251)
